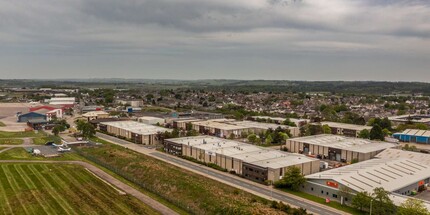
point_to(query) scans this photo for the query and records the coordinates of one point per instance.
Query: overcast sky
(201, 39)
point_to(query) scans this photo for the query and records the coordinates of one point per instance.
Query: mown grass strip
(14, 188)
(60, 201)
(6, 208)
(32, 187)
(25, 191)
(89, 192)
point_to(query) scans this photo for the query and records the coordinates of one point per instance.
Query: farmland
(60, 189)
(197, 194)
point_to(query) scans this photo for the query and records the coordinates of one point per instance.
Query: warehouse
(398, 172)
(259, 127)
(280, 120)
(182, 123)
(219, 129)
(349, 130)
(134, 131)
(415, 118)
(413, 136)
(150, 120)
(252, 162)
(337, 148)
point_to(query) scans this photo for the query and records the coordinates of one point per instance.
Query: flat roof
(390, 174)
(280, 119)
(258, 125)
(416, 132)
(422, 158)
(219, 125)
(136, 127)
(260, 156)
(345, 143)
(346, 126)
(412, 117)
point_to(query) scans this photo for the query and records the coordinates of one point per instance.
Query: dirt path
(110, 179)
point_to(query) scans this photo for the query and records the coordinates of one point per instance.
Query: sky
(216, 39)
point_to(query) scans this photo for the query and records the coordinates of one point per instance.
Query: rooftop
(136, 127)
(391, 174)
(422, 158)
(248, 153)
(346, 126)
(258, 125)
(346, 143)
(219, 125)
(415, 132)
(413, 118)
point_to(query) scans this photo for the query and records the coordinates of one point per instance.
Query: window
(334, 196)
(327, 193)
(312, 188)
(322, 191)
(346, 199)
(303, 187)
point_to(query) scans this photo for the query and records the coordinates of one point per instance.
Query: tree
(326, 129)
(269, 139)
(56, 130)
(382, 204)
(231, 136)
(87, 129)
(386, 132)
(412, 206)
(361, 201)
(252, 138)
(376, 133)
(364, 134)
(292, 179)
(284, 136)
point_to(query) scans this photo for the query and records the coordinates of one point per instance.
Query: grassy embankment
(2, 124)
(189, 191)
(60, 189)
(322, 201)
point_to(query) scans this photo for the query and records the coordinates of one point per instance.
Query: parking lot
(425, 195)
(8, 116)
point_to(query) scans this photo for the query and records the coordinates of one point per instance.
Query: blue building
(31, 116)
(413, 136)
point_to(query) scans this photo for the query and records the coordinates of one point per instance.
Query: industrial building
(150, 120)
(134, 131)
(259, 127)
(181, 123)
(92, 115)
(402, 173)
(252, 162)
(414, 118)
(413, 136)
(218, 128)
(349, 130)
(338, 148)
(280, 120)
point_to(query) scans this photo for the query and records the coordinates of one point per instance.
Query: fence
(132, 179)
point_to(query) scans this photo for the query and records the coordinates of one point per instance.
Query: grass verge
(43, 140)
(11, 141)
(320, 200)
(21, 134)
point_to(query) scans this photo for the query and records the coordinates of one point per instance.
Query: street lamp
(371, 207)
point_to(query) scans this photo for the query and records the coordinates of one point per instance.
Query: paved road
(110, 179)
(226, 178)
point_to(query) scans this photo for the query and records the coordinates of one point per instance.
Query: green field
(11, 141)
(22, 154)
(21, 134)
(187, 190)
(43, 140)
(60, 189)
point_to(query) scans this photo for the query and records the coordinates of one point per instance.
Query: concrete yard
(8, 116)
